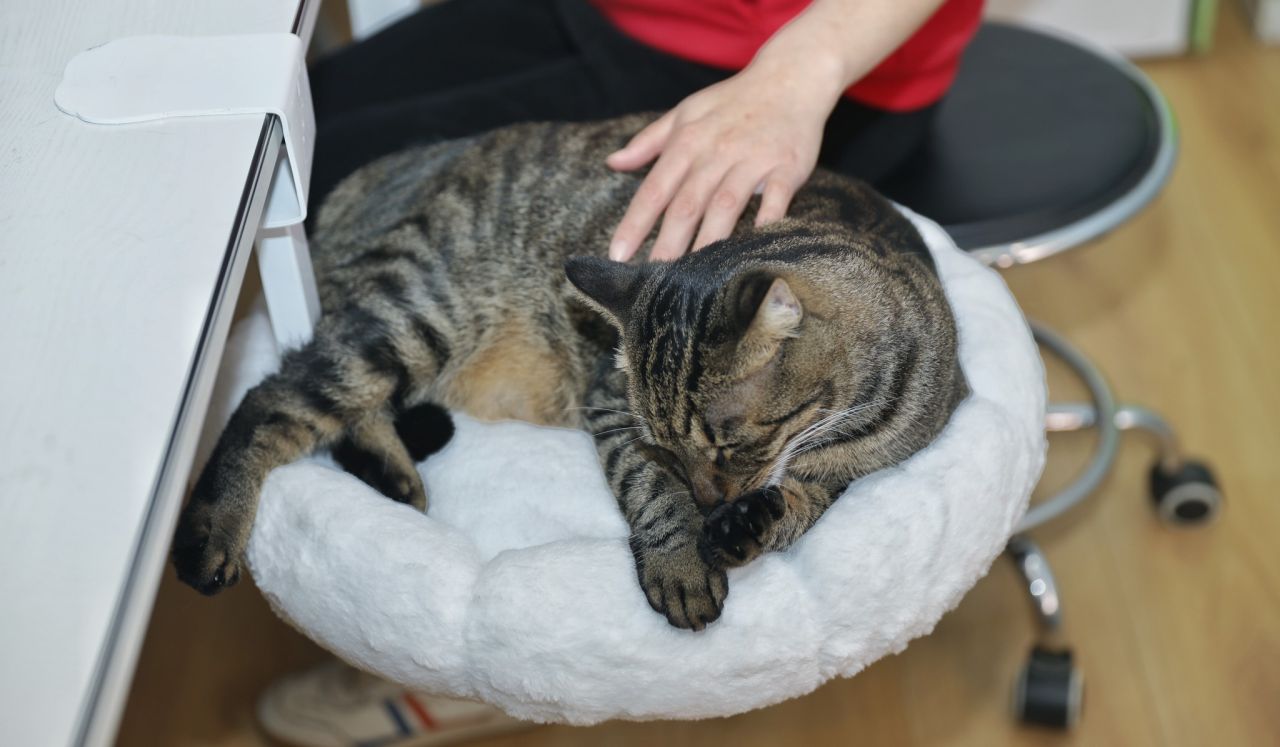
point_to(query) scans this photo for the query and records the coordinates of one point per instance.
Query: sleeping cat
(733, 394)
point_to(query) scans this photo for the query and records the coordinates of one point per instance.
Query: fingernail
(618, 250)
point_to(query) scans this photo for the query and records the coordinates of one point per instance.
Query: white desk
(122, 249)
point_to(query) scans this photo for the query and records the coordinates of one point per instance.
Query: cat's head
(727, 361)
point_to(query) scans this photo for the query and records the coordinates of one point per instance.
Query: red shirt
(727, 33)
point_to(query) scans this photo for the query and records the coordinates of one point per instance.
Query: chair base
(1049, 689)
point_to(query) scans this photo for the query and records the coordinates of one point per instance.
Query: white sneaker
(335, 705)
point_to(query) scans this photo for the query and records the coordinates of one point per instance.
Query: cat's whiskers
(609, 409)
(815, 436)
(819, 430)
(779, 468)
(913, 418)
(615, 430)
(819, 439)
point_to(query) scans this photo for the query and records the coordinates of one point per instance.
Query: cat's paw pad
(206, 558)
(683, 587)
(736, 532)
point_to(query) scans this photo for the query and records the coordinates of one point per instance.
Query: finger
(726, 205)
(778, 191)
(647, 204)
(682, 216)
(644, 146)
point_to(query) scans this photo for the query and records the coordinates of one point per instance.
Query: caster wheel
(1187, 496)
(1050, 690)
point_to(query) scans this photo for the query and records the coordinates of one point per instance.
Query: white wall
(1138, 28)
(369, 16)
(1265, 15)
(1135, 27)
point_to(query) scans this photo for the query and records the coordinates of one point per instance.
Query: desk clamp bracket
(147, 78)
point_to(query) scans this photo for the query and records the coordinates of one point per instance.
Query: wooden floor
(1178, 632)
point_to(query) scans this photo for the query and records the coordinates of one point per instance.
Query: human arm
(759, 129)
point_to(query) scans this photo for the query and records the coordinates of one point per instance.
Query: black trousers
(467, 66)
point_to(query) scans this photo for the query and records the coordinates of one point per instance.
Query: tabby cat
(733, 393)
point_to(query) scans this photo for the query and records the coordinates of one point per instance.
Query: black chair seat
(1036, 134)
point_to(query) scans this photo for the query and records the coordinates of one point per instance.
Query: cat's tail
(424, 429)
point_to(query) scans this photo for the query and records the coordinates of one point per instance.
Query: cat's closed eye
(665, 457)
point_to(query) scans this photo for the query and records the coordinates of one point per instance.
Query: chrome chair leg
(1040, 584)
(1049, 690)
(1104, 453)
(1077, 416)
(1183, 491)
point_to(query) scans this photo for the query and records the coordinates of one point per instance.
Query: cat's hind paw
(206, 559)
(376, 454)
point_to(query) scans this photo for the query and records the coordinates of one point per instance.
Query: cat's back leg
(363, 360)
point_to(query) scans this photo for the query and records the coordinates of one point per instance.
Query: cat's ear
(608, 286)
(768, 312)
(767, 308)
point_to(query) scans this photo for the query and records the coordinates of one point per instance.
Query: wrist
(813, 74)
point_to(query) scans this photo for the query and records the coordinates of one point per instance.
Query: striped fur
(733, 394)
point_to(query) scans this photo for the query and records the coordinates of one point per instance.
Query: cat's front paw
(208, 547)
(682, 586)
(736, 532)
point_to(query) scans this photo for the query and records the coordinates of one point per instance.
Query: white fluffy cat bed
(517, 588)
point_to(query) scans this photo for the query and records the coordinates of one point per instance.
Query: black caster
(1050, 690)
(1186, 496)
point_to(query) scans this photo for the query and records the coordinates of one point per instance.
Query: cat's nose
(708, 490)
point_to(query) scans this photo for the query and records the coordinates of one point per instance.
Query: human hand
(756, 132)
